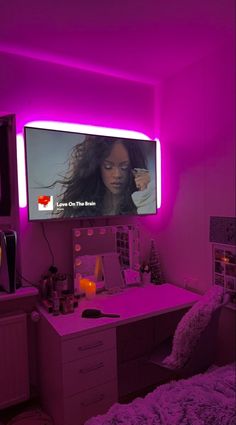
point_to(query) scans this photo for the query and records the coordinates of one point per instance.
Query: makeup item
(50, 285)
(67, 302)
(47, 305)
(55, 304)
(93, 313)
(61, 283)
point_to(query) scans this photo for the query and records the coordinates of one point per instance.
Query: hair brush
(93, 313)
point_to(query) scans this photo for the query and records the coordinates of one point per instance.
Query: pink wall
(195, 120)
(39, 90)
(198, 153)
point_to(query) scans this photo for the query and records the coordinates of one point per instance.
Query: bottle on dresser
(55, 304)
(67, 305)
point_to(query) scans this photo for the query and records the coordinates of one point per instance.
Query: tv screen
(74, 175)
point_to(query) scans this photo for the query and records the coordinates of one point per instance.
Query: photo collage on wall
(128, 246)
(224, 269)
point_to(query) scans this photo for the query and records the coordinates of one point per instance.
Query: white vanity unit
(77, 373)
(78, 367)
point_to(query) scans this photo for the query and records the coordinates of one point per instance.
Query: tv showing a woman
(107, 178)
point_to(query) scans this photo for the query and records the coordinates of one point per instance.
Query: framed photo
(230, 283)
(219, 268)
(219, 280)
(230, 269)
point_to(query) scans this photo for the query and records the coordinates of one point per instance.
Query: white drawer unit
(89, 372)
(78, 374)
(92, 402)
(87, 345)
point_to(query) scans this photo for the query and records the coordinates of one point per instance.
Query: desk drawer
(95, 401)
(89, 372)
(77, 348)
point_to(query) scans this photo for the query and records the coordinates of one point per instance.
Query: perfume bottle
(55, 304)
(67, 302)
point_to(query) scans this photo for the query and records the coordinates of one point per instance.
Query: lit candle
(90, 290)
(83, 283)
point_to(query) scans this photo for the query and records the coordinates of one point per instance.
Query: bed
(204, 399)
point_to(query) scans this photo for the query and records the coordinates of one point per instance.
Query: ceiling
(142, 40)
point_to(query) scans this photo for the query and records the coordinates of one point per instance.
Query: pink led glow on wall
(53, 125)
(158, 166)
(20, 151)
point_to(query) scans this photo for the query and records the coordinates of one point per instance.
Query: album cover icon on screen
(45, 203)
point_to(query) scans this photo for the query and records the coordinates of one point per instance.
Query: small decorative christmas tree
(154, 262)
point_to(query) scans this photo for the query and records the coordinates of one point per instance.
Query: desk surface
(131, 304)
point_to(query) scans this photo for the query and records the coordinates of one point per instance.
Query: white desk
(131, 304)
(78, 356)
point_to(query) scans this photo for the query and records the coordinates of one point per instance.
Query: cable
(22, 278)
(48, 244)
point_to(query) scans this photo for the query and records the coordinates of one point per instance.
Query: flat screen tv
(75, 175)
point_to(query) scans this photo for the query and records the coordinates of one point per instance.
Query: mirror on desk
(90, 267)
(103, 269)
(101, 253)
(113, 278)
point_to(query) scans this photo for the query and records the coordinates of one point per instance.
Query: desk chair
(203, 354)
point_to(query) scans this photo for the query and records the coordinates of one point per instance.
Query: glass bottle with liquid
(55, 304)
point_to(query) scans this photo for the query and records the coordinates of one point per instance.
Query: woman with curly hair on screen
(106, 178)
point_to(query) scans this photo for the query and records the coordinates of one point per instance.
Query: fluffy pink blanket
(207, 398)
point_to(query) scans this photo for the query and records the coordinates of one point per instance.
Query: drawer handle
(92, 368)
(95, 400)
(90, 346)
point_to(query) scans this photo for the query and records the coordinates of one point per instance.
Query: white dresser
(78, 375)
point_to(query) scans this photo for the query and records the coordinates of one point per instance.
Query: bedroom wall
(195, 120)
(38, 90)
(198, 154)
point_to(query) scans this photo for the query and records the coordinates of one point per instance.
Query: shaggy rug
(205, 399)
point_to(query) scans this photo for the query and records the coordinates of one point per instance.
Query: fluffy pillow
(191, 326)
